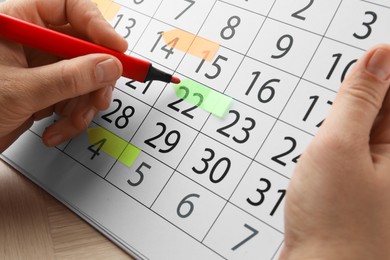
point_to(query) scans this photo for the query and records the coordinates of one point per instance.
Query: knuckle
(343, 142)
(68, 79)
(366, 91)
(73, 78)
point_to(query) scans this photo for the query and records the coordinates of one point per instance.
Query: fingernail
(54, 140)
(379, 64)
(88, 116)
(107, 71)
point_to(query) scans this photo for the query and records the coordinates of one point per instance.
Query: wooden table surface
(34, 225)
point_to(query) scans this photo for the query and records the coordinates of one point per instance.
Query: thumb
(47, 85)
(360, 96)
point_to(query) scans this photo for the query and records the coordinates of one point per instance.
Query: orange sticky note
(108, 8)
(191, 44)
(111, 11)
(102, 4)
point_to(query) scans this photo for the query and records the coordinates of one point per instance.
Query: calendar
(167, 178)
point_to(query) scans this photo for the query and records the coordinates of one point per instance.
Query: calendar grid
(220, 182)
(381, 5)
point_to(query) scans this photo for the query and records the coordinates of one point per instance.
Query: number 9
(286, 49)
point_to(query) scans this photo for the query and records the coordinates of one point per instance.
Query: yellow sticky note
(129, 155)
(114, 146)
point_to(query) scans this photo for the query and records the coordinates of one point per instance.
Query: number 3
(368, 26)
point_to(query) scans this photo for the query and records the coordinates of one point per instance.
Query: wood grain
(34, 225)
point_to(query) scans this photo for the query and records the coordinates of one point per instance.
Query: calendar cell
(366, 26)
(143, 180)
(314, 16)
(164, 137)
(153, 46)
(331, 63)
(262, 87)
(188, 206)
(214, 166)
(231, 27)
(123, 116)
(283, 147)
(262, 7)
(284, 47)
(147, 92)
(148, 7)
(174, 105)
(181, 13)
(262, 194)
(90, 154)
(214, 74)
(244, 128)
(237, 235)
(308, 107)
(130, 25)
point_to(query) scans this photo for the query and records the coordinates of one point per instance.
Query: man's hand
(338, 201)
(36, 84)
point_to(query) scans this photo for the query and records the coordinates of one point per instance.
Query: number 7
(192, 2)
(254, 233)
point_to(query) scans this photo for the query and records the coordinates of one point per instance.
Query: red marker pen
(68, 47)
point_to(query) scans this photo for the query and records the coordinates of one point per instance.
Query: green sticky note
(113, 145)
(203, 97)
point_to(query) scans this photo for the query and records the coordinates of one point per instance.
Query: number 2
(297, 14)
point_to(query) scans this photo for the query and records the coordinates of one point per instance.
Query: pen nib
(175, 80)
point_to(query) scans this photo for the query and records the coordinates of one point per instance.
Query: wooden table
(34, 225)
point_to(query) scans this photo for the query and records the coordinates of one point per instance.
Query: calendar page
(199, 170)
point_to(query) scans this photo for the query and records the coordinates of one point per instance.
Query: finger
(83, 16)
(101, 99)
(67, 127)
(380, 133)
(360, 97)
(43, 113)
(76, 115)
(60, 131)
(37, 88)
